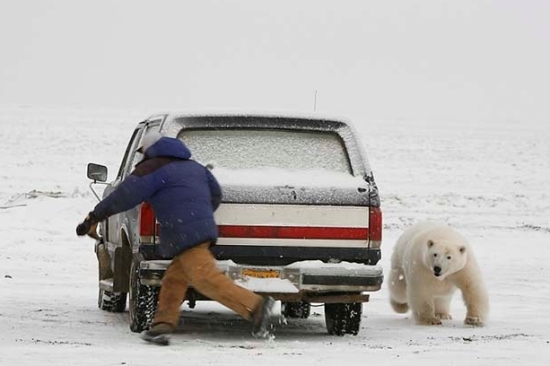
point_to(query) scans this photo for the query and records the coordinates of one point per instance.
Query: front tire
(343, 319)
(143, 301)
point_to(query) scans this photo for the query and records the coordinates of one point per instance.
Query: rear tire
(296, 310)
(114, 302)
(343, 319)
(143, 301)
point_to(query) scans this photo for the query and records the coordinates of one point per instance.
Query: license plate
(260, 273)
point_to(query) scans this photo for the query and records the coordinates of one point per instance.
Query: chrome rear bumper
(296, 278)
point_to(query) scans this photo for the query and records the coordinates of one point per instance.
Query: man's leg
(197, 267)
(203, 274)
(172, 293)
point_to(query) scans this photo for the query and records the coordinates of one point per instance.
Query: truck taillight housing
(147, 223)
(375, 227)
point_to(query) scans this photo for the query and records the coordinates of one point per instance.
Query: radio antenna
(315, 101)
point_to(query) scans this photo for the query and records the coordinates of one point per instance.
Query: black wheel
(297, 310)
(143, 302)
(114, 302)
(343, 318)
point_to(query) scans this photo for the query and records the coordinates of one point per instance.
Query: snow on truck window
(268, 149)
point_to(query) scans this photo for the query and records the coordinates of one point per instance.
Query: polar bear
(429, 262)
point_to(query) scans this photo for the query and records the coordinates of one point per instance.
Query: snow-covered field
(489, 180)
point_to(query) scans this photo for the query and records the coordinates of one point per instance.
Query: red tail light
(375, 226)
(147, 220)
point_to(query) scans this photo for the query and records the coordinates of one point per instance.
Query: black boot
(159, 333)
(261, 318)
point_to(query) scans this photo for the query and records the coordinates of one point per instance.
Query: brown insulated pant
(197, 267)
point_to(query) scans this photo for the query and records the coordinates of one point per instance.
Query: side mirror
(97, 173)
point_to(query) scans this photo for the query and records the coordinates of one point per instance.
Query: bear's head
(444, 258)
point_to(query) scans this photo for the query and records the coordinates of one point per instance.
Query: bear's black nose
(437, 270)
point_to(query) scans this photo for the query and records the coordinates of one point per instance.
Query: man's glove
(87, 225)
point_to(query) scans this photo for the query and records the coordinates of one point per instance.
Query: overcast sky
(423, 59)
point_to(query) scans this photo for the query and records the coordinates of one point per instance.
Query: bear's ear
(430, 243)
(462, 249)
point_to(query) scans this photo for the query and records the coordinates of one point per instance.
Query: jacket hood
(168, 147)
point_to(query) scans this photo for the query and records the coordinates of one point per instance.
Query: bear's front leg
(476, 300)
(422, 306)
(442, 307)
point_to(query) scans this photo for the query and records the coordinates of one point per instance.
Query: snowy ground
(489, 180)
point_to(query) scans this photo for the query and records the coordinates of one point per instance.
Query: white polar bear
(429, 262)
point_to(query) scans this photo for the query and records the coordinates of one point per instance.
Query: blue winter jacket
(183, 194)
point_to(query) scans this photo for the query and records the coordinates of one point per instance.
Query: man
(184, 196)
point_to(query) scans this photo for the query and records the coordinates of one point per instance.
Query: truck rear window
(253, 149)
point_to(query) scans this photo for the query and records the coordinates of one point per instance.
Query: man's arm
(141, 184)
(131, 192)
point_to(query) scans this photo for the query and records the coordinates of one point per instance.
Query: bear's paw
(429, 321)
(444, 316)
(474, 321)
